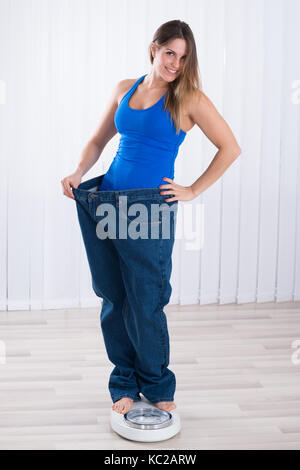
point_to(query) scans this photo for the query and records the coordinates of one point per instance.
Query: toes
(116, 407)
(165, 406)
(123, 405)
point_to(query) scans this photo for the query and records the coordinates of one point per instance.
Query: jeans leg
(108, 284)
(146, 268)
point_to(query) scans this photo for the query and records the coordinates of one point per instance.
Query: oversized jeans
(132, 276)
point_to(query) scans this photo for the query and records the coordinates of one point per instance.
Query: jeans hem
(126, 395)
(156, 400)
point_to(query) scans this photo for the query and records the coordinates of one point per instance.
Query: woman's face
(169, 60)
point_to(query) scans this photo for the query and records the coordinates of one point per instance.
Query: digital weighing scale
(145, 422)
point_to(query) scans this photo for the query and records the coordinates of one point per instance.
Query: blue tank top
(147, 148)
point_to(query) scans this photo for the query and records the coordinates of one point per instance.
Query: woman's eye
(169, 52)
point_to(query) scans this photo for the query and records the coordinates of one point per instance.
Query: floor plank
(238, 386)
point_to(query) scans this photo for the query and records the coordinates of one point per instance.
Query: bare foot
(123, 405)
(165, 405)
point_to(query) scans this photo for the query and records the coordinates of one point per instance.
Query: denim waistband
(90, 189)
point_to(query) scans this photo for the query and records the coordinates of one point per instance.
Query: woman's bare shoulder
(124, 86)
(198, 101)
(127, 81)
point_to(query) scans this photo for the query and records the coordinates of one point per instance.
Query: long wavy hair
(183, 87)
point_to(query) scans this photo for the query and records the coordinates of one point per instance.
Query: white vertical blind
(233, 93)
(59, 61)
(289, 159)
(252, 63)
(270, 151)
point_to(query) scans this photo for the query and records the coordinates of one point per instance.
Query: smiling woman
(153, 114)
(173, 53)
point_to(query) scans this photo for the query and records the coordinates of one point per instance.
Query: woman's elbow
(237, 151)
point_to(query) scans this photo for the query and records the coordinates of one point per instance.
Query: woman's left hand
(181, 193)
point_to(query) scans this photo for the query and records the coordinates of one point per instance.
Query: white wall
(59, 60)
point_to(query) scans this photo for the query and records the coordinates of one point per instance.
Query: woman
(132, 275)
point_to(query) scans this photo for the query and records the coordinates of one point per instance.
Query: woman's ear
(153, 49)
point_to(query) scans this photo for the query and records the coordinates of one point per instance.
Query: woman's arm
(92, 151)
(205, 115)
(105, 131)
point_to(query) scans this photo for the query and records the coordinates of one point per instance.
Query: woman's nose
(176, 65)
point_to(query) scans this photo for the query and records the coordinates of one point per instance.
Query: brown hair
(183, 87)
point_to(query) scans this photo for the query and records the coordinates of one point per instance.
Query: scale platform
(145, 422)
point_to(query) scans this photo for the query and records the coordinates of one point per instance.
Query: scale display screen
(148, 418)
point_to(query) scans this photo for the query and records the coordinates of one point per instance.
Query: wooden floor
(237, 385)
